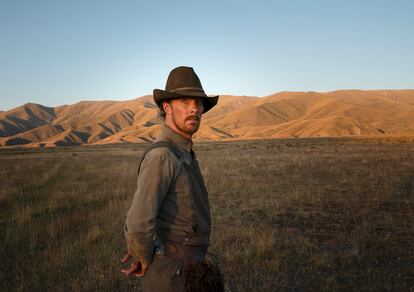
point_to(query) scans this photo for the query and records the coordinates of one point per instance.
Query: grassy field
(332, 214)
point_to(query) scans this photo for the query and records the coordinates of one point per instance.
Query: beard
(188, 129)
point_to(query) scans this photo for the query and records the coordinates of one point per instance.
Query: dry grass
(302, 214)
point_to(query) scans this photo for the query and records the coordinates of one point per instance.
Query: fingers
(144, 268)
(135, 269)
(128, 271)
(126, 258)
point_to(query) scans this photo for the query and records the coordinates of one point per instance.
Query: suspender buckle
(159, 249)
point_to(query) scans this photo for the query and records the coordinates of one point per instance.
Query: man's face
(184, 114)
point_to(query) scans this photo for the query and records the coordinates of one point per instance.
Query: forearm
(140, 246)
(140, 226)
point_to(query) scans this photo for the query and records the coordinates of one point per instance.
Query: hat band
(187, 88)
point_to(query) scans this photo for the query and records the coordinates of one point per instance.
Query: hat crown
(183, 78)
(183, 82)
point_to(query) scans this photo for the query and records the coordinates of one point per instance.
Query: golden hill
(285, 114)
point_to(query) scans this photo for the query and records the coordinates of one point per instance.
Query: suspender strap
(160, 144)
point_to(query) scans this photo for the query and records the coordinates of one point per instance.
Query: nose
(194, 107)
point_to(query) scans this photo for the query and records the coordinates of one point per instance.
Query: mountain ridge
(279, 115)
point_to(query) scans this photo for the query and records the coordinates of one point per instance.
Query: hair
(161, 113)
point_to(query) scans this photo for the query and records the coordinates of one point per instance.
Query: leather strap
(184, 253)
(159, 144)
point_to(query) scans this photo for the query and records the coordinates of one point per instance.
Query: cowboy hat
(184, 82)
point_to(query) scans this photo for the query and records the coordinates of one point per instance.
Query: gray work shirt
(170, 198)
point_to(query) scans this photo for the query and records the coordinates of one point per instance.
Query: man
(168, 225)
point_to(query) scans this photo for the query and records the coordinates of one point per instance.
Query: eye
(199, 102)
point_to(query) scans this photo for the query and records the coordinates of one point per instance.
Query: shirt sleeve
(155, 176)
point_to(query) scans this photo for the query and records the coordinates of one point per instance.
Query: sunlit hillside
(284, 114)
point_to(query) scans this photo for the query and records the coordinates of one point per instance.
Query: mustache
(193, 117)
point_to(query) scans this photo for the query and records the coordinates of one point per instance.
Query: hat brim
(209, 100)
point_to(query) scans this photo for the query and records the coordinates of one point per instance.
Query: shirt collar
(169, 134)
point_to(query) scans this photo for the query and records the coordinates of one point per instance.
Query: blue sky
(64, 51)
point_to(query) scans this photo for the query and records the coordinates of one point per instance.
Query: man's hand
(136, 268)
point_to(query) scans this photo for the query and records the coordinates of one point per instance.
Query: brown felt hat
(184, 82)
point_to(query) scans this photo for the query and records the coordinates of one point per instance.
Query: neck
(175, 129)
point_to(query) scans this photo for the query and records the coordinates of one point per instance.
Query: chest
(189, 181)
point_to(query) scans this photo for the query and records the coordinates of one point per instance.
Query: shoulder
(160, 155)
(158, 164)
(160, 152)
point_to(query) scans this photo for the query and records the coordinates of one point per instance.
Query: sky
(63, 51)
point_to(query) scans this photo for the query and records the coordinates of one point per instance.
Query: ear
(166, 105)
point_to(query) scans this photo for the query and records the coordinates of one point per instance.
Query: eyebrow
(195, 98)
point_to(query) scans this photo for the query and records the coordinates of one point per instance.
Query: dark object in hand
(204, 276)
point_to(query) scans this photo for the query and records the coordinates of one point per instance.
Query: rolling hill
(284, 114)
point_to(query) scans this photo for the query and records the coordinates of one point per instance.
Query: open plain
(331, 214)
